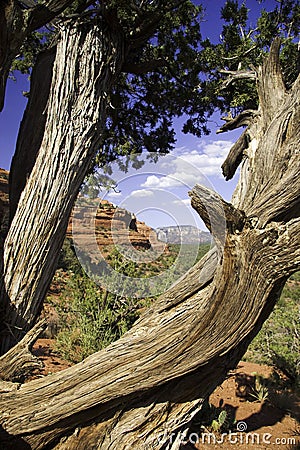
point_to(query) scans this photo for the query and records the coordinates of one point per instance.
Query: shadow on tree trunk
(10, 442)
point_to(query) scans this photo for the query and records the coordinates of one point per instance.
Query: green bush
(90, 318)
(67, 258)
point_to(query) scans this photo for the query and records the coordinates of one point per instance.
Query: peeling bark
(28, 143)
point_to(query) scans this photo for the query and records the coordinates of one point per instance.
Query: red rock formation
(111, 225)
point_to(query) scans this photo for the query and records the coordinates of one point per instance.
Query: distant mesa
(183, 234)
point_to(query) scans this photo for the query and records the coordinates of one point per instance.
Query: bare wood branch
(198, 277)
(18, 362)
(243, 119)
(237, 75)
(231, 58)
(271, 88)
(8, 386)
(276, 154)
(43, 13)
(170, 367)
(217, 214)
(235, 156)
(282, 203)
(28, 143)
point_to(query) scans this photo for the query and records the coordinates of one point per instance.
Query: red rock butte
(110, 224)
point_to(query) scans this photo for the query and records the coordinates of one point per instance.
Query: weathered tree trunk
(152, 381)
(15, 25)
(19, 362)
(28, 142)
(76, 115)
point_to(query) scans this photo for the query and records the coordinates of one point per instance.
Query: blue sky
(157, 194)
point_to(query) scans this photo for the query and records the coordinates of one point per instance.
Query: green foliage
(243, 47)
(122, 261)
(32, 46)
(219, 422)
(171, 72)
(131, 264)
(215, 419)
(159, 76)
(278, 342)
(144, 101)
(95, 182)
(260, 390)
(90, 318)
(67, 259)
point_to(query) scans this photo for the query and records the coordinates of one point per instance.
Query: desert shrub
(90, 318)
(67, 258)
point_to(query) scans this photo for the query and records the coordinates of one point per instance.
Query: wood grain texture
(235, 156)
(15, 26)
(12, 35)
(19, 362)
(28, 143)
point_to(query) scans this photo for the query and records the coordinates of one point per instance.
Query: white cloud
(216, 148)
(167, 181)
(141, 193)
(185, 202)
(210, 156)
(188, 167)
(114, 194)
(152, 181)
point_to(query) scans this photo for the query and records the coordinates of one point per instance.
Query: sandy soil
(259, 425)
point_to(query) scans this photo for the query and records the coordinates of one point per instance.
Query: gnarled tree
(152, 381)
(106, 89)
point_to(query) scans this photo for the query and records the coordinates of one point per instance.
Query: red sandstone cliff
(111, 225)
